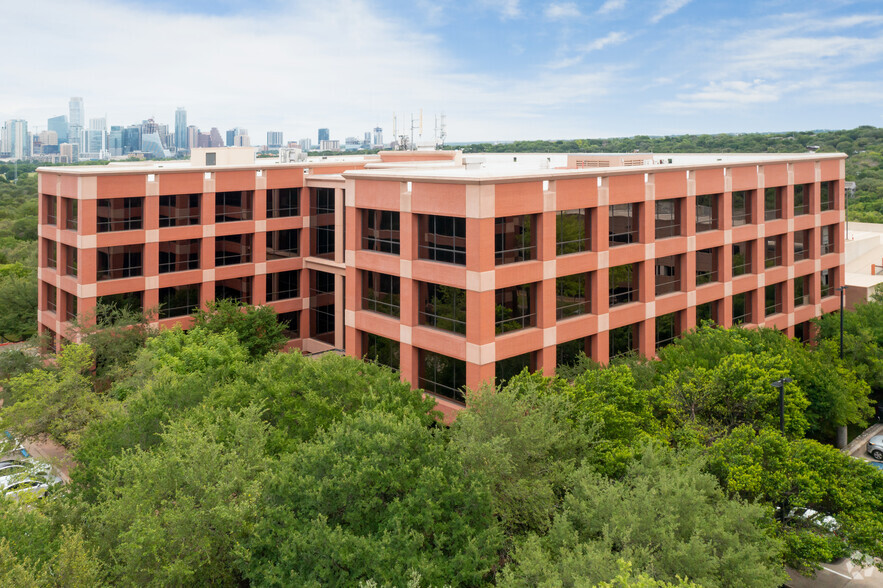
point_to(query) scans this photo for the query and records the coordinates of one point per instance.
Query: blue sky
(499, 69)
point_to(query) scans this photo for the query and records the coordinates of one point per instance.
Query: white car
(29, 487)
(816, 518)
(26, 478)
(875, 447)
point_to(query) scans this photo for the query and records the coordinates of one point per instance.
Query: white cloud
(726, 95)
(343, 66)
(611, 6)
(562, 11)
(668, 7)
(612, 38)
(565, 62)
(506, 8)
(777, 54)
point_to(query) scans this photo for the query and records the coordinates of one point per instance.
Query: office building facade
(449, 270)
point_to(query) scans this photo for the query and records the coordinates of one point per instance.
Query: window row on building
(177, 210)
(515, 307)
(445, 376)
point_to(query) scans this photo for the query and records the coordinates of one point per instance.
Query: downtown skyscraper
(181, 141)
(76, 122)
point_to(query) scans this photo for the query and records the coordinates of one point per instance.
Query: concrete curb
(875, 429)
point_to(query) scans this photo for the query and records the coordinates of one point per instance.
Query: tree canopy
(208, 457)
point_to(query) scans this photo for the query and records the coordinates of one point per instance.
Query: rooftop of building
(448, 166)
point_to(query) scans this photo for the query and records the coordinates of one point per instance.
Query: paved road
(858, 447)
(53, 453)
(840, 574)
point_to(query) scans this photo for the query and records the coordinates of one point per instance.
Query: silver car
(25, 478)
(28, 487)
(875, 447)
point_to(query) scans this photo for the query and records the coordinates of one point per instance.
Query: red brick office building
(450, 269)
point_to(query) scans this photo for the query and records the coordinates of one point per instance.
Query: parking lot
(857, 447)
(843, 573)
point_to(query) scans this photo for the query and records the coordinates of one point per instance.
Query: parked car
(30, 487)
(875, 447)
(26, 478)
(816, 518)
(16, 466)
(876, 464)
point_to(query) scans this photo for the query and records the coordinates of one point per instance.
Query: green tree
(116, 333)
(256, 326)
(862, 340)
(720, 378)
(14, 362)
(624, 414)
(525, 439)
(763, 466)
(180, 513)
(375, 496)
(18, 312)
(57, 402)
(665, 516)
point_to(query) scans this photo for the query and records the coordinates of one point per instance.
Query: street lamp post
(780, 384)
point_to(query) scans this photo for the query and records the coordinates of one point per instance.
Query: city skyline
(499, 69)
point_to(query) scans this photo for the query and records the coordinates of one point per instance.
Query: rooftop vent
(472, 163)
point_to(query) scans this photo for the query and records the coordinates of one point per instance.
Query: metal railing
(443, 254)
(573, 246)
(515, 255)
(741, 217)
(744, 317)
(375, 304)
(623, 296)
(667, 285)
(514, 323)
(706, 277)
(572, 307)
(772, 213)
(666, 229)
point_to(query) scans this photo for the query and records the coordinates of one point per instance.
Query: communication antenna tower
(443, 131)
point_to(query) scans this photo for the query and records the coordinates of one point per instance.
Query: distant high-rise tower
(96, 137)
(215, 138)
(192, 136)
(59, 125)
(181, 129)
(115, 141)
(274, 139)
(76, 122)
(378, 136)
(131, 139)
(15, 139)
(232, 135)
(324, 135)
